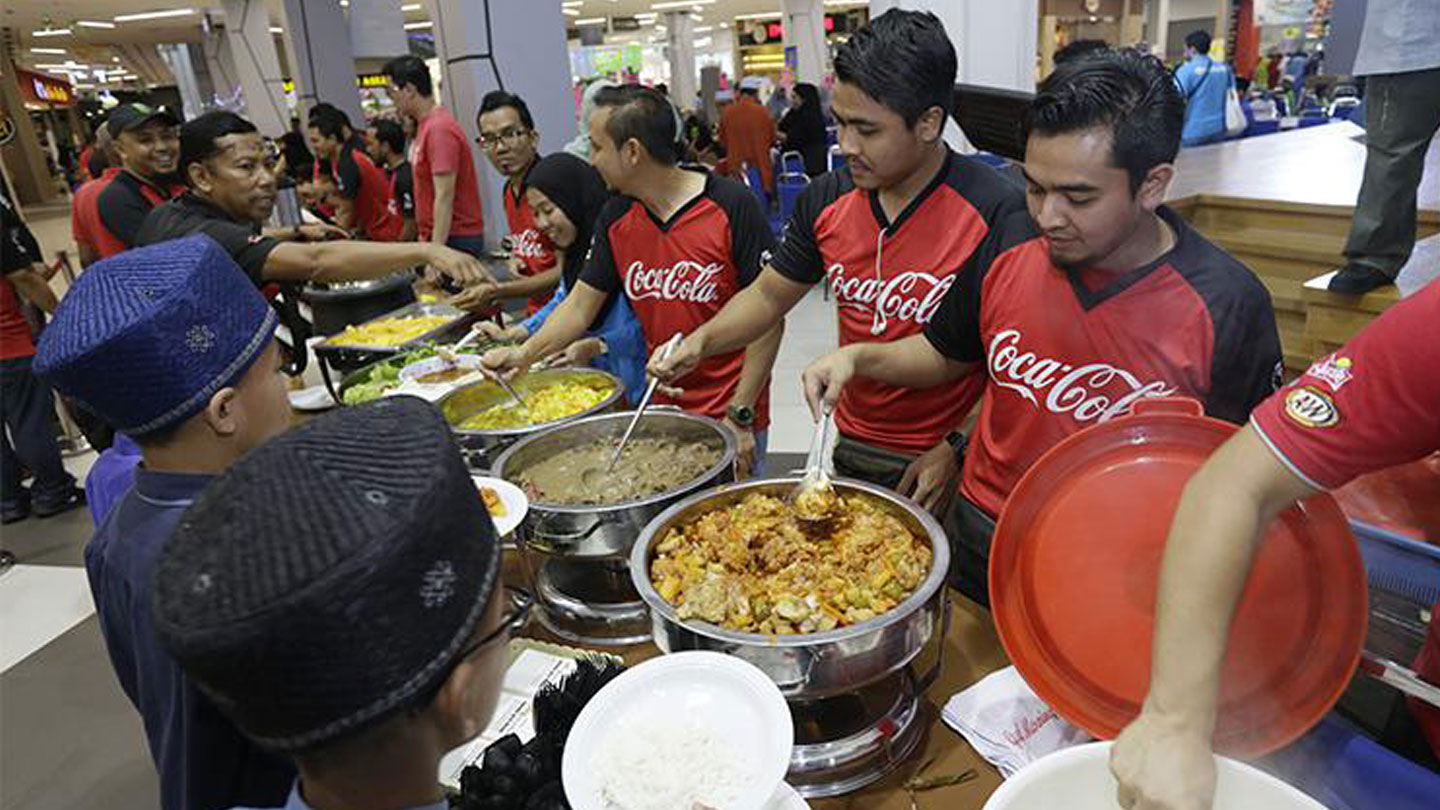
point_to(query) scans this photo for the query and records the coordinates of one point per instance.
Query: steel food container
(811, 665)
(457, 318)
(480, 445)
(598, 531)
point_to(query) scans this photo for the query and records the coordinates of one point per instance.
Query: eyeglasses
(510, 137)
(520, 601)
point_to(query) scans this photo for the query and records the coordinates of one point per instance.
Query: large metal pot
(813, 665)
(609, 530)
(481, 445)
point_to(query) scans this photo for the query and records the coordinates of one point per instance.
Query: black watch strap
(742, 415)
(958, 442)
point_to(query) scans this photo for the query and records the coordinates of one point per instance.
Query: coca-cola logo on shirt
(1092, 392)
(910, 296)
(526, 245)
(683, 281)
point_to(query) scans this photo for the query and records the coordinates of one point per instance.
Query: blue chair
(757, 186)
(788, 188)
(833, 158)
(791, 163)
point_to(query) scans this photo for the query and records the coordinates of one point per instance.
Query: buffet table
(972, 651)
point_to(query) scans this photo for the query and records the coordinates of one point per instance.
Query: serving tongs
(644, 403)
(816, 488)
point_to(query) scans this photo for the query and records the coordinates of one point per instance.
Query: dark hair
(389, 133)
(499, 99)
(1080, 49)
(902, 59)
(330, 121)
(753, 92)
(409, 70)
(198, 136)
(1199, 40)
(645, 115)
(1131, 93)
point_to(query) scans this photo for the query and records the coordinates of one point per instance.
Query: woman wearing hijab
(804, 128)
(565, 196)
(580, 145)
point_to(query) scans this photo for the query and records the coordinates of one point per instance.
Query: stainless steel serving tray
(456, 317)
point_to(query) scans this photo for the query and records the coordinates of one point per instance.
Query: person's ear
(931, 125)
(631, 152)
(1151, 193)
(452, 703)
(222, 413)
(199, 174)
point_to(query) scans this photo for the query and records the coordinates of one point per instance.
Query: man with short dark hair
(508, 136)
(146, 140)
(1205, 85)
(363, 196)
(1106, 298)
(174, 347)
(390, 153)
(1079, 49)
(891, 232)
(447, 193)
(679, 244)
(362, 637)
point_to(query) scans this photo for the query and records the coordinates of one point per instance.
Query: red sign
(38, 89)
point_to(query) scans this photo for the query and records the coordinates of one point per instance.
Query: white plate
(732, 701)
(314, 398)
(516, 504)
(1079, 779)
(787, 798)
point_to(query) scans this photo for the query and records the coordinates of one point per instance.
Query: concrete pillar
(322, 65)
(804, 25)
(377, 29)
(995, 43)
(1159, 27)
(680, 49)
(257, 67)
(519, 47)
(24, 156)
(192, 77)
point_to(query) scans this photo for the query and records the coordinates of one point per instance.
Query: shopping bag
(1235, 122)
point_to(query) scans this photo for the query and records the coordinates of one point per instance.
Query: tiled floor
(68, 737)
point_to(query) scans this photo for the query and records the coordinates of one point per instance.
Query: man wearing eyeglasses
(508, 136)
(364, 637)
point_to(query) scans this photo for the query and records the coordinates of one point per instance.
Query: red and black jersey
(362, 183)
(120, 208)
(679, 273)
(528, 244)
(402, 190)
(84, 218)
(1066, 349)
(889, 279)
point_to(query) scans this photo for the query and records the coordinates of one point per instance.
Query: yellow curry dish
(753, 567)
(548, 403)
(388, 332)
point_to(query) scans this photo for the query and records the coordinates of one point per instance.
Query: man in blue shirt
(1204, 83)
(175, 347)
(338, 592)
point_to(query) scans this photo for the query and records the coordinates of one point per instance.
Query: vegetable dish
(389, 332)
(548, 403)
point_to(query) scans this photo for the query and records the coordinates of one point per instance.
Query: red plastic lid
(1073, 573)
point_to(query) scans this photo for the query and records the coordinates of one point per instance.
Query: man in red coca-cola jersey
(678, 244)
(1102, 298)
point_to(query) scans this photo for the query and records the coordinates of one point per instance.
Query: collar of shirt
(169, 489)
(297, 802)
(202, 207)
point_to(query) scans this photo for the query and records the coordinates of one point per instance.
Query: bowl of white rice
(686, 731)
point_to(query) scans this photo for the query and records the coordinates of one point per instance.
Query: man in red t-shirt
(362, 198)
(891, 233)
(678, 244)
(108, 212)
(84, 218)
(447, 194)
(1105, 298)
(1369, 406)
(508, 136)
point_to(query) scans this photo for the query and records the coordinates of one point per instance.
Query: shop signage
(760, 33)
(38, 89)
(7, 130)
(363, 80)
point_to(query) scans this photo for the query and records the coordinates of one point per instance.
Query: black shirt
(123, 205)
(402, 188)
(189, 214)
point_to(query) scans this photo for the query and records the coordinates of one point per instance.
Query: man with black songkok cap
(336, 593)
(174, 347)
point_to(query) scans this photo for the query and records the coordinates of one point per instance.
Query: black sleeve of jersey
(798, 257)
(405, 190)
(248, 249)
(19, 249)
(121, 211)
(751, 241)
(1247, 363)
(600, 270)
(955, 329)
(347, 175)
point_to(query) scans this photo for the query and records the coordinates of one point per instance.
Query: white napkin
(1007, 723)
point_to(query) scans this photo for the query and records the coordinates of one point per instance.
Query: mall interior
(1112, 321)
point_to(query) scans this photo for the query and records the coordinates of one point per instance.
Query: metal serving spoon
(816, 487)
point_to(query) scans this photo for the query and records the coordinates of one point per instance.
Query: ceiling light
(129, 77)
(591, 21)
(114, 59)
(724, 25)
(416, 26)
(703, 42)
(646, 16)
(94, 24)
(702, 29)
(344, 3)
(572, 3)
(84, 87)
(275, 29)
(681, 4)
(48, 50)
(570, 12)
(154, 15)
(413, 7)
(52, 32)
(763, 15)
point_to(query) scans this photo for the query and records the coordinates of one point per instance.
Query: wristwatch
(742, 415)
(958, 442)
